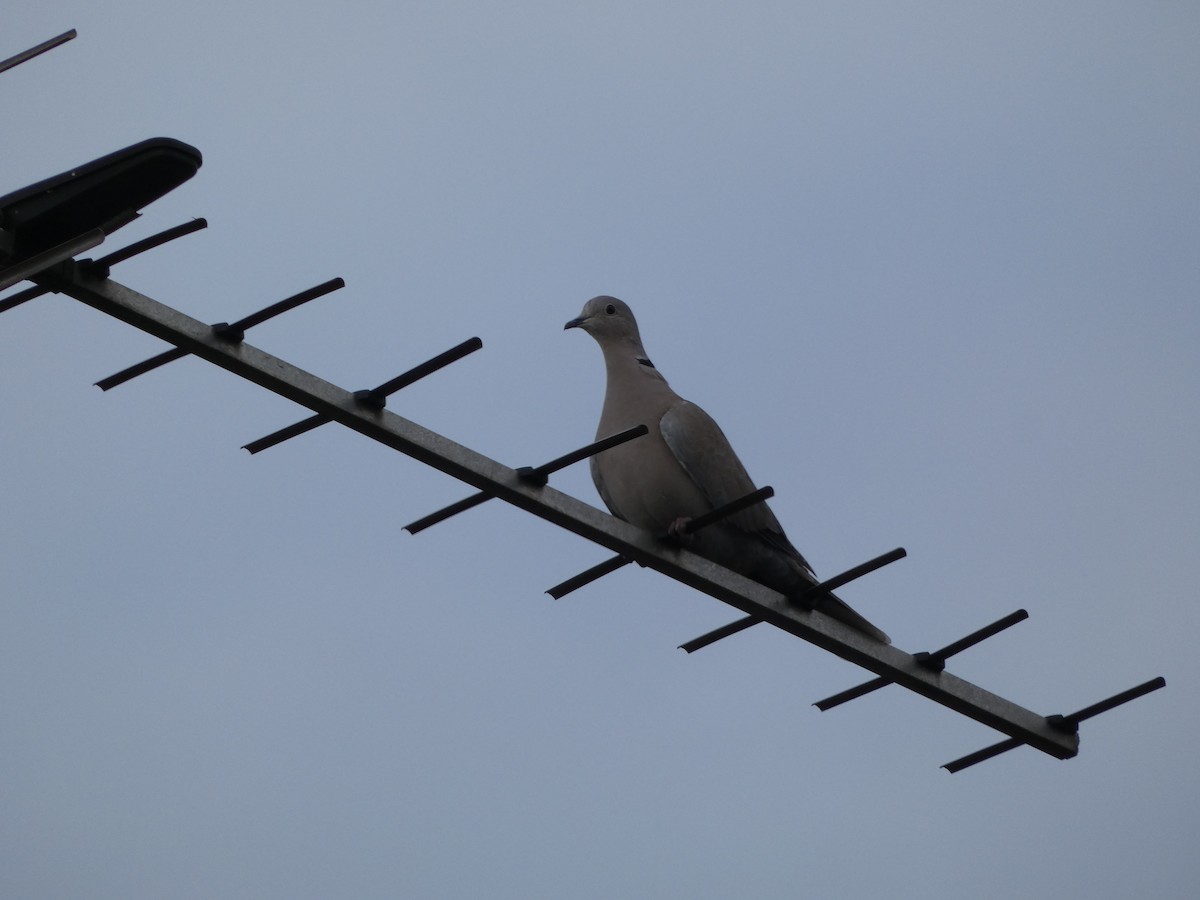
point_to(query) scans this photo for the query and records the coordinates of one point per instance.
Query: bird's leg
(805, 599)
(678, 530)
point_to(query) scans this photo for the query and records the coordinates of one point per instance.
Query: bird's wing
(704, 452)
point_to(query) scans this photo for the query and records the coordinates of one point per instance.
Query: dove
(685, 466)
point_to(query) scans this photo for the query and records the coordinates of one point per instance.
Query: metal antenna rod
(709, 518)
(41, 48)
(1065, 724)
(831, 584)
(101, 266)
(14, 300)
(935, 661)
(373, 399)
(485, 474)
(235, 332)
(376, 398)
(538, 475)
(30, 266)
(146, 365)
(1071, 722)
(587, 576)
(713, 516)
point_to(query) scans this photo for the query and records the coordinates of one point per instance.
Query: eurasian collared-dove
(685, 467)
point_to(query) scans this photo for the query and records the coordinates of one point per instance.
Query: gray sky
(951, 251)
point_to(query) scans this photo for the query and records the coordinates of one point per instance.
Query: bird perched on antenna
(685, 467)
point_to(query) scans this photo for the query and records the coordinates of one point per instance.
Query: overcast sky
(932, 266)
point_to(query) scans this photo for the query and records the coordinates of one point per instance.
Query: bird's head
(609, 320)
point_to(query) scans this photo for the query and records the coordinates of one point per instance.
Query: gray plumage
(685, 467)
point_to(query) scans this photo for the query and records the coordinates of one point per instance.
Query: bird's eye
(610, 309)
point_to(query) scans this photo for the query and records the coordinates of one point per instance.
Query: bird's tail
(840, 610)
(769, 558)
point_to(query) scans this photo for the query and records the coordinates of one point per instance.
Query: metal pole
(485, 474)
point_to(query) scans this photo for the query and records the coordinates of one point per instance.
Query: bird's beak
(575, 323)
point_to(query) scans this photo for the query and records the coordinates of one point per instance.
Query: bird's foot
(678, 530)
(805, 599)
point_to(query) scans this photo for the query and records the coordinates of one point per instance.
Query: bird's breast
(645, 483)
